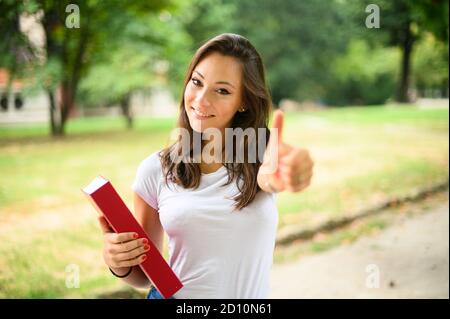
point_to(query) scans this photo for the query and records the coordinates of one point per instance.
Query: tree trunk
(59, 111)
(125, 106)
(444, 89)
(407, 45)
(50, 22)
(53, 114)
(72, 70)
(67, 103)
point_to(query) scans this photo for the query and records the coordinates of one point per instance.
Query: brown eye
(223, 92)
(196, 82)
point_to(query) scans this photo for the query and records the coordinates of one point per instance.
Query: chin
(198, 127)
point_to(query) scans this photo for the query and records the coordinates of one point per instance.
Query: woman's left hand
(284, 167)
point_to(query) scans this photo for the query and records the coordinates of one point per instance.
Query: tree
(148, 53)
(365, 75)
(404, 22)
(74, 31)
(430, 67)
(15, 51)
(297, 40)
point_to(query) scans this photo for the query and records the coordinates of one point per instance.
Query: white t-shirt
(216, 252)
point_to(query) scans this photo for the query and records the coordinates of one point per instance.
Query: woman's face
(213, 94)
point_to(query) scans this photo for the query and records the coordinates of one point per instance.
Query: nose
(201, 100)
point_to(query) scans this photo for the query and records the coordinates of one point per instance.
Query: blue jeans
(154, 294)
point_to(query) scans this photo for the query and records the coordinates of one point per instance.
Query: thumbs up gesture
(284, 167)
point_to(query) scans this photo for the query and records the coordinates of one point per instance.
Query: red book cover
(108, 203)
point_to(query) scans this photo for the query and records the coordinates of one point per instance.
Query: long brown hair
(258, 103)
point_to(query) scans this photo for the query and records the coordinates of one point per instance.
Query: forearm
(262, 180)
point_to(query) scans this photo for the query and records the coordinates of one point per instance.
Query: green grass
(82, 126)
(39, 265)
(39, 166)
(398, 114)
(362, 156)
(358, 192)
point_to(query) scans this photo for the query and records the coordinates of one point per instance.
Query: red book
(108, 203)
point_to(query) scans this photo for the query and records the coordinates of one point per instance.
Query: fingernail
(144, 241)
(135, 235)
(144, 257)
(146, 247)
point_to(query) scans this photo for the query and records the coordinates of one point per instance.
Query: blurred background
(92, 87)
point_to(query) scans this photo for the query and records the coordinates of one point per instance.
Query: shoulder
(147, 183)
(151, 165)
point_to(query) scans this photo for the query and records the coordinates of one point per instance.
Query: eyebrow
(218, 82)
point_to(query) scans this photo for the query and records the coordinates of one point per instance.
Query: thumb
(273, 146)
(106, 228)
(277, 124)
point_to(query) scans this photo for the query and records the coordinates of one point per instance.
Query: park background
(92, 89)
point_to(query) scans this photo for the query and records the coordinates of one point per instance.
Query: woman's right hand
(123, 250)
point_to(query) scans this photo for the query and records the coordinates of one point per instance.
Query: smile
(200, 115)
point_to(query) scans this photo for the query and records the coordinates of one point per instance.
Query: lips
(200, 115)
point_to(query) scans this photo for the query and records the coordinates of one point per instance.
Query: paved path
(410, 258)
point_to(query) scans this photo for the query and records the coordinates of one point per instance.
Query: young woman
(220, 216)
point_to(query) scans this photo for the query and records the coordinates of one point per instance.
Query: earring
(242, 109)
